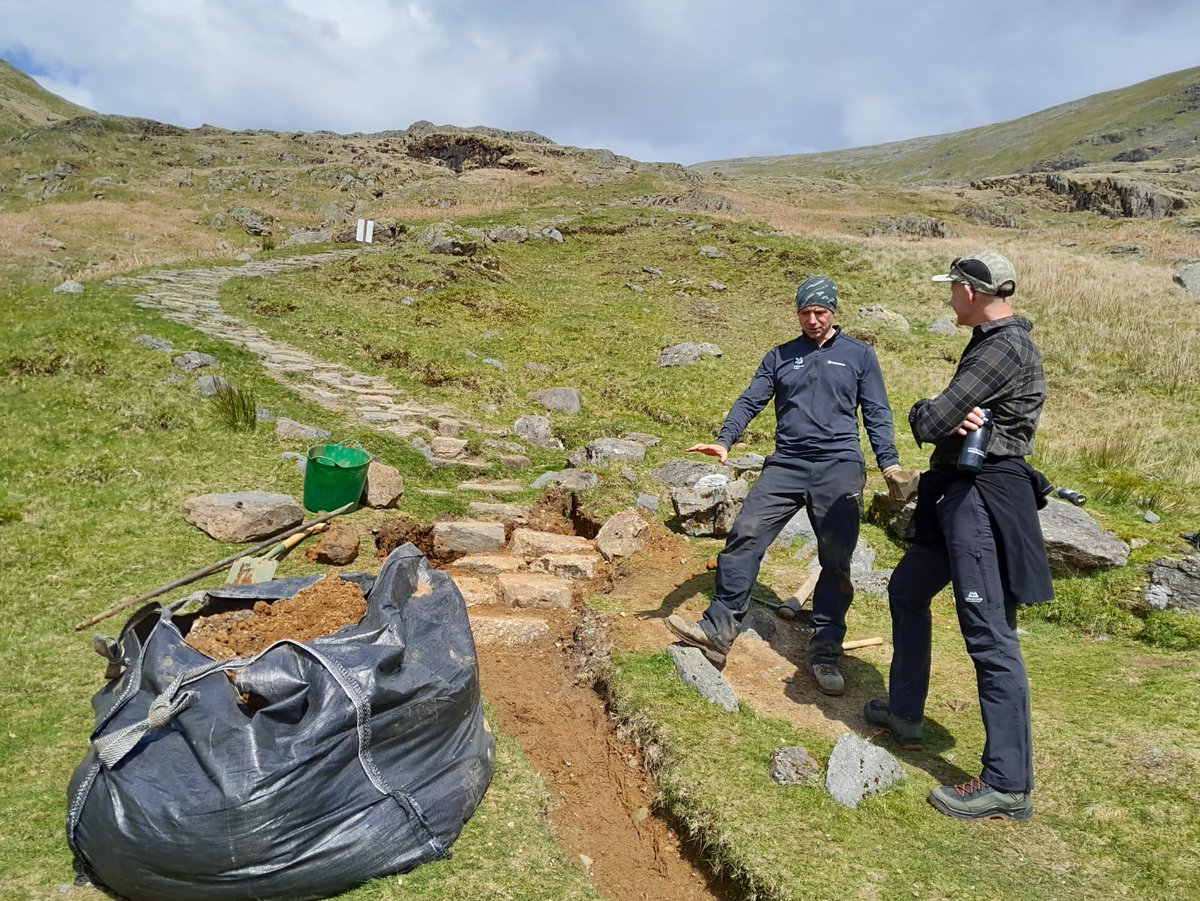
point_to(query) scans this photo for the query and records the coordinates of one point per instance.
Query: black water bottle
(975, 445)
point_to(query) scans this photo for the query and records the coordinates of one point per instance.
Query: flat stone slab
(492, 487)
(503, 512)
(573, 567)
(467, 537)
(475, 592)
(531, 544)
(507, 630)
(534, 590)
(243, 515)
(489, 564)
(794, 766)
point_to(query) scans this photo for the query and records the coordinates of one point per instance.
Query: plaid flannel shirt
(1001, 369)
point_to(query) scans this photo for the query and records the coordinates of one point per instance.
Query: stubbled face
(815, 322)
(960, 301)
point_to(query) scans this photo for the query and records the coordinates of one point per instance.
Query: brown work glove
(901, 483)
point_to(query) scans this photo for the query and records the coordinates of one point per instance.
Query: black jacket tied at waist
(1013, 492)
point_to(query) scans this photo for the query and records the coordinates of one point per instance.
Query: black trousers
(966, 558)
(832, 492)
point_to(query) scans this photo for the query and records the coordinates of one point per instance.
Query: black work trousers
(966, 558)
(832, 492)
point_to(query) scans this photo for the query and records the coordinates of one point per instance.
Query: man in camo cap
(818, 382)
(979, 532)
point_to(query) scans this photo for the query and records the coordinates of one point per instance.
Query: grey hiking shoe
(829, 678)
(905, 733)
(976, 800)
(694, 636)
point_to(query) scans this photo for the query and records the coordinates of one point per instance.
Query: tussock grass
(235, 406)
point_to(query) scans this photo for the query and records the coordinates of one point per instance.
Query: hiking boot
(829, 678)
(976, 800)
(905, 733)
(694, 636)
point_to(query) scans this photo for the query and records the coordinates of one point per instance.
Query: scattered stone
(515, 461)
(709, 511)
(492, 487)
(623, 535)
(908, 224)
(569, 479)
(885, 317)
(628, 475)
(191, 360)
(702, 677)
(643, 439)
(680, 473)
(262, 414)
(70, 286)
(289, 428)
(299, 459)
(746, 463)
(794, 766)
(712, 253)
(242, 515)
(448, 448)
(384, 486)
(1174, 584)
(1123, 248)
(558, 400)
(162, 345)
(943, 325)
(1151, 517)
(509, 234)
(648, 502)
(503, 512)
(537, 431)
(492, 361)
(209, 385)
(717, 286)
(1187, 277)
(857, 768)
(1076, 543)
(604, 451)
(337, 547)
(686, 354)
(536, 367)
(456, 539)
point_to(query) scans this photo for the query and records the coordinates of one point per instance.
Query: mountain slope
(1155, 119)
(24, 103)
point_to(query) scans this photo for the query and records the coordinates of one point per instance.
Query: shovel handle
(208, 570)
(290, 542)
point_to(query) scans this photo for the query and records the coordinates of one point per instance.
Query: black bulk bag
(365, 753)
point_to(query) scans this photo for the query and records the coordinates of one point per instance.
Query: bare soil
(320, 609)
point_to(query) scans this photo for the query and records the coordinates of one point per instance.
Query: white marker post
(365, 232)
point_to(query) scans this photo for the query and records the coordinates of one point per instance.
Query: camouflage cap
(816, 291)
(987, 272)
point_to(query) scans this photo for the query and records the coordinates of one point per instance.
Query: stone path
(190, 297)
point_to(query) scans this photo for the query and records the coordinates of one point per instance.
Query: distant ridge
(1153, 120)
(26, 104)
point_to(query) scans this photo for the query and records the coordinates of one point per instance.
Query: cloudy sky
(678, 80)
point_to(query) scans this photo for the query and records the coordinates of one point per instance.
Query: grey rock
(628, 475)
(1174, 584)
(760, 623)
(492, 361)
(243, 257)
(558, 400)
(255, 222)
(309, 236)
(510, 234)
(687, 353)
(162, 345)
(553, 234)
(570, 479)
(857, 768)
(943, 325)
(623, 535)
(242, 515)
(798, 528)
(891, 515)
(262, 414)
(717, 286)
(648, 502)
(536, 367)
(451, 246)
(537, 431)
(300, 460)
(209, 385)
(190, 360)
(1076, 543)
(702, 677)
(459, 538)
(884, 317)
(712, 253)
(605, 451)
(1151, 517)
(384, 486)
(794, 766)
(709, 511)
(515, 461)
(289, 428)
(70, 286)
(1187, 277)
(681, 473)
(746, 463)
(643, 439)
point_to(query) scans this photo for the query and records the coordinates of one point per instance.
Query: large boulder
(1174, 584)
(558, 400)
(1187, 277)
(709, 509)
(623, 535)
(384, 486)
(680, 473)
(1076, 543)
(604, 451)
(243, 515)
(537, 431)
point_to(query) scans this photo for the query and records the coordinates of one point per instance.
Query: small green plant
(236, 407)
(268, 242)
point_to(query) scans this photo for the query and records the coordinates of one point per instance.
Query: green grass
(99, 446)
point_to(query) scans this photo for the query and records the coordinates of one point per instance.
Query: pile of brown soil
(318, 610)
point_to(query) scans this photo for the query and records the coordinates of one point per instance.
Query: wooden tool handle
(208, 570)
(861, 643)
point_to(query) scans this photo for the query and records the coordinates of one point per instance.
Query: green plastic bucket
(334, 475)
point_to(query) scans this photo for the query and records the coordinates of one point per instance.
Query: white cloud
(677, 80)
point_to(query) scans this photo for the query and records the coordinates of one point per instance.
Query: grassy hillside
(1159, 118)
(25, 104)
